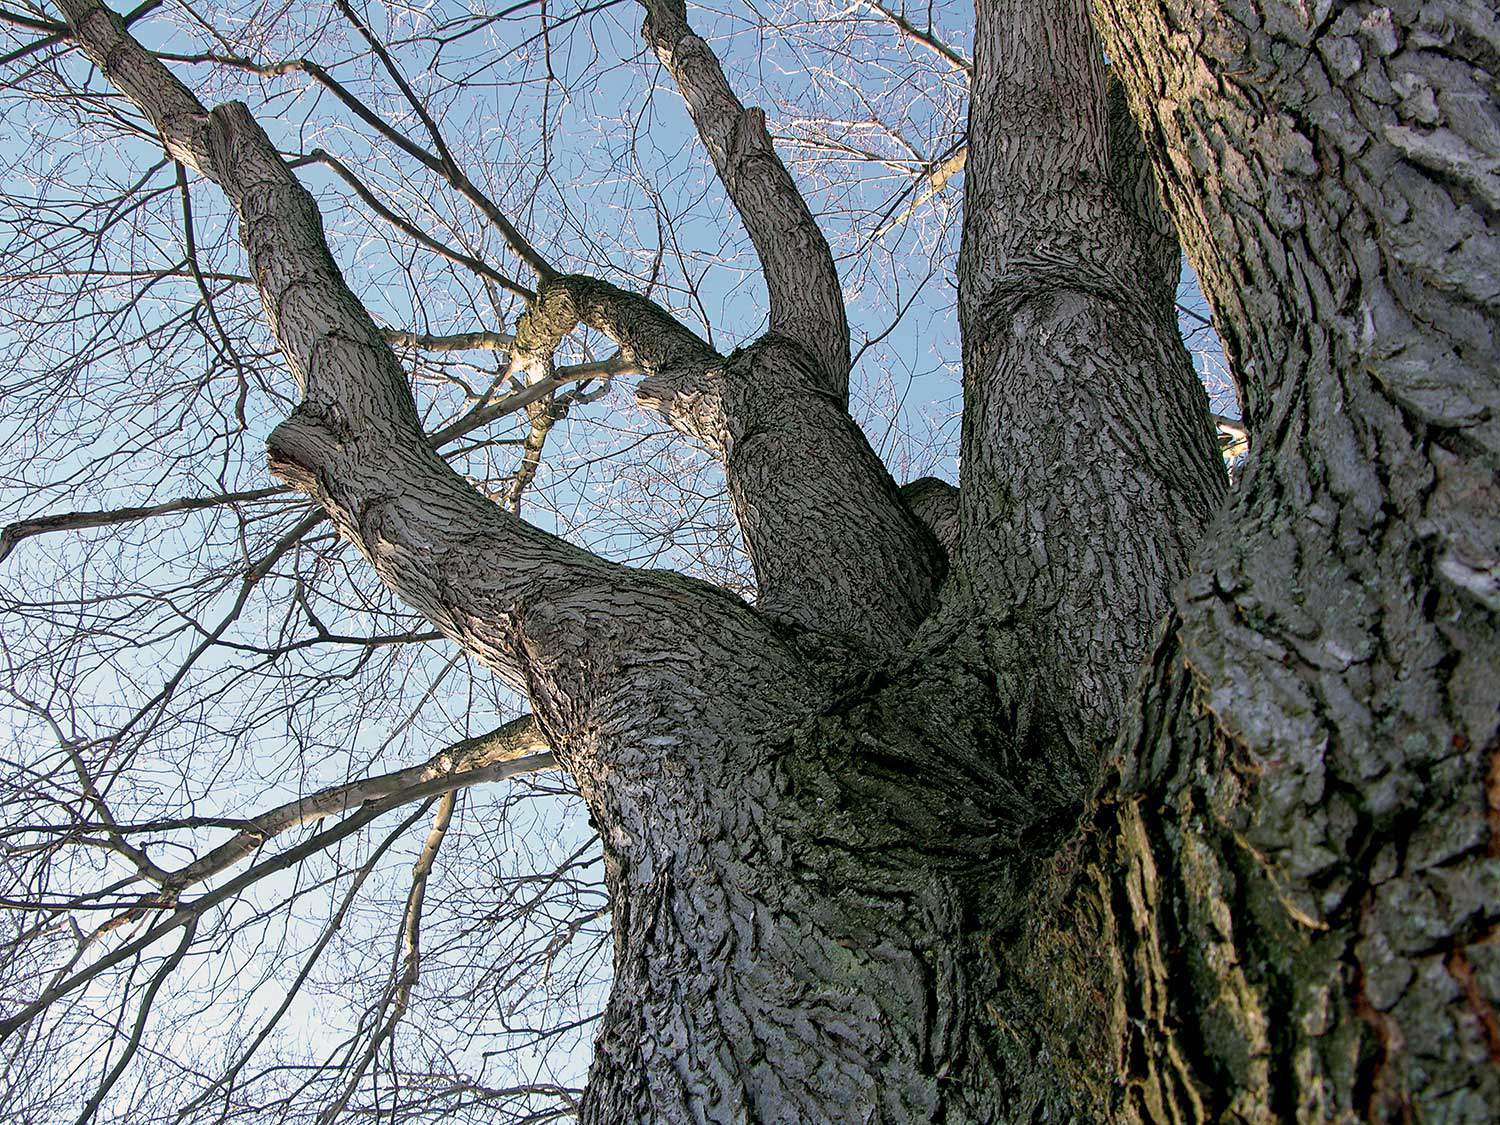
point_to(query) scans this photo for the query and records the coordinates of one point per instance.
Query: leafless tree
(1087, 789)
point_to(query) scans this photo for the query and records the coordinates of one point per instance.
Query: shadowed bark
(1029, 801)
(1294, 866)
(1090, 467)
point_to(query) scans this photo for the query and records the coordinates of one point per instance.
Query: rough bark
(836, 551)
(1295, 868)
(852, 873)
(808, 952)
(1090, 467)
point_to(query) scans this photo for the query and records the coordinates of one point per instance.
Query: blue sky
(600, 165)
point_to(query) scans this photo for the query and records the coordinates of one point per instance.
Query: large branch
(807, 300)
(683, 374)
(562, 624)
(834, 548)
(1089, 463)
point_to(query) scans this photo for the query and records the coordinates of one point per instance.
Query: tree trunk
(815, 935)
(1287, 895)
(864, 860)
(1282, 904)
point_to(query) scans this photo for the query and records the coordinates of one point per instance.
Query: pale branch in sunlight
(512, 750)
(924, 36)
(946, 624)
(507, 752)
(930, 187)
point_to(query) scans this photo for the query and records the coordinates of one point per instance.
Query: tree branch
(398, 996)
(355, 443)
(483, 269)
(1089, 465)
(442, 165)
(329, 930)
(807, 300)
(679, 366)
(450, 342)
(514, 749)
(918, 35)
(77, 521)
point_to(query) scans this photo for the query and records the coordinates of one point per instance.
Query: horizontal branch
(186, 913)
(77, 521)
(514, 749)
(450, 342)
(676, 362)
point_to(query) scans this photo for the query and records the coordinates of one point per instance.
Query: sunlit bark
(1044, 799)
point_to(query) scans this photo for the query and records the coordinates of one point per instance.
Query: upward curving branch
(835, 549)
(559, 622)
(807, 300)
(1090, 468)
(514, 749)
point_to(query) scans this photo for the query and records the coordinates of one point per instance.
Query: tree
(1088, 790)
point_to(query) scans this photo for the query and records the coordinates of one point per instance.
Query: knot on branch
(646, 333)
(302, 445)
(692, 400)
(551, 316)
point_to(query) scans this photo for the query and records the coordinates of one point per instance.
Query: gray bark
(854, 871)
(836, 551)
(807, 302)
(1295, 866)
(1090, 467)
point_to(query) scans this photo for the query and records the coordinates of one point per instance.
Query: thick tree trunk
(1286, 900)
(854, 875)
(809, 917)
(799, 943)
(1282, 904)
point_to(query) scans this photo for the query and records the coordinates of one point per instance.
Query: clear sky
(122, 390)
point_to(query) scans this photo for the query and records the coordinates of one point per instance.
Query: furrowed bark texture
(836, 551)
(842, 828)
(807, 300)
(1089, 462)
(1294, 870)
(808, 951)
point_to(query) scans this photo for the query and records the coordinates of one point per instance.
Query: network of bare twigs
(257, 862)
